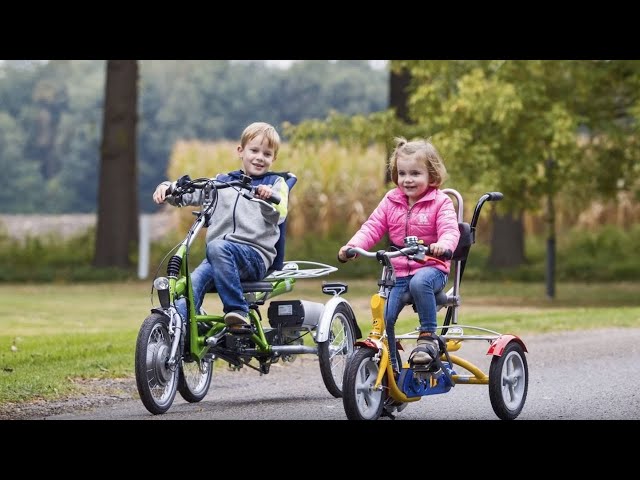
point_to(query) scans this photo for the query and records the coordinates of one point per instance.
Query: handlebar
(417, 252)
(186, 185)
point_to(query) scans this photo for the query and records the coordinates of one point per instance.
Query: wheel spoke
(339, 348)
(512, 380)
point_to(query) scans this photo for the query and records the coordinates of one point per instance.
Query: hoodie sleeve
(372, 231)
(282, 189)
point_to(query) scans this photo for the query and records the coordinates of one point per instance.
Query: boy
(241, 240)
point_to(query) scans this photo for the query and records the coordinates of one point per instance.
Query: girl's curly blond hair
(423, 151)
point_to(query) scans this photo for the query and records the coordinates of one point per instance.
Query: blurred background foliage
(497, 124)
(327, 206)
(51, 116)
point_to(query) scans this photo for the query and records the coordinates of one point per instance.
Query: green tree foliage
(498, 122)
(20, 175)
(57, 109)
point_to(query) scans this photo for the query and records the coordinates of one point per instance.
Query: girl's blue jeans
(423, 286)
(226, 265)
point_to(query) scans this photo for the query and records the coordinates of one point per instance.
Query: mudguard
(500, 343)
(370, 343)
(327, 315)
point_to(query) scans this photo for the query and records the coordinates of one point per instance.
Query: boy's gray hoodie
(243, 221)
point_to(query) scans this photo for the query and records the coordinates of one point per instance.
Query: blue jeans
(225, 266)
(422, 286)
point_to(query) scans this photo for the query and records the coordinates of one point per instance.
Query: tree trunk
(117, 231)
(398, 93)
(399, 101)
(507, 241)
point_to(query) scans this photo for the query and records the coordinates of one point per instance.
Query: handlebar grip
(349, 253)
(447, 255)
(494, 196)
(275, 198)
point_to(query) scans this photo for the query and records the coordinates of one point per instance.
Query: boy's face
(256, 156)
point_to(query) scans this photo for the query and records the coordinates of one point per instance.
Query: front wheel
(360, 400)
(336, 351)
(155, 379)
(195, 379)
(508, 382)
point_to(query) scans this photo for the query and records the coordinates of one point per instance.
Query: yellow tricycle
(370, 387)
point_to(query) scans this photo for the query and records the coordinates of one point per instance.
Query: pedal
(391, 405)
(387, 413)
(240, 330)
(432, 368)
(422, 375)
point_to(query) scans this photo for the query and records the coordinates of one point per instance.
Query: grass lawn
(51, 335)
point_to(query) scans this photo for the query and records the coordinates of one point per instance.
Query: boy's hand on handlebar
(160, 194)
(266, 194)
(263, 192)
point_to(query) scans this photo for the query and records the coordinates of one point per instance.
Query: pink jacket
(432, 219)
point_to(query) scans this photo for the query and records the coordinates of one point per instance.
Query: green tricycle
(175, 354)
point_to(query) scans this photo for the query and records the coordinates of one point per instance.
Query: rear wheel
(155, 379)
(360, 400)
(195, 379)
(336, 351)
(508, 382)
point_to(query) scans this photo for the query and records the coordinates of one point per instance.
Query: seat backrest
(278, 263)
(465, 242)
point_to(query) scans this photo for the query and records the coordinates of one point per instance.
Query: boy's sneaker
(236, 321)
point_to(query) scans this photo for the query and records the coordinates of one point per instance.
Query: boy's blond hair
(261, 128)
(423, 151)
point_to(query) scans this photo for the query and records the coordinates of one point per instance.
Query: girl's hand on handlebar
(437, 250)
(160, 194)
(342, 254)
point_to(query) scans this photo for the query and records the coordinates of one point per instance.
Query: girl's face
(413, 178)
(256, 156)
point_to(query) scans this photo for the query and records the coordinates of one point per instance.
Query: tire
(360, 402)
(195, 379)
(156, 383)
(336, 351)
(508, 382)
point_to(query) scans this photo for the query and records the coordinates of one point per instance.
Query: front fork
(378, 340)
(176, 331)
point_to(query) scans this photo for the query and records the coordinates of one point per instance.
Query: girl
(416, 207)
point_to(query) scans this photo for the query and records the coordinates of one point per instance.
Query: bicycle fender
(161, 311)
(325, 320)
(369, 343)
(500, 343)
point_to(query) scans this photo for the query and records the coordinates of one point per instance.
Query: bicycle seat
(441, 298)
(250, 287)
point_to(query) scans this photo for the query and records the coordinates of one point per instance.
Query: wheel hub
(158, 363)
